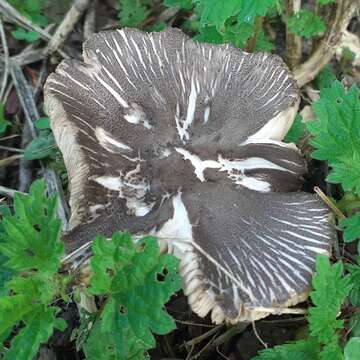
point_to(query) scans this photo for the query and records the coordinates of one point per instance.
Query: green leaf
(330, 291)
(137, 281)
(29, 36)
(182, 4)
(351, 227)
(31, 236)
(296, 131)
(215, 13)
(305, 23)
(325, 78)
(41, 147)
(325, 2)
(354, 271)
(30, 245)
(263, 43)
(43, 123)
(250, 9)
(352, 349)
(3, 122)
(133, 13)
(337, 134)
(39, 327)
(300, 350)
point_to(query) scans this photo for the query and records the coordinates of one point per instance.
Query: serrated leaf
(351, 227)
(330, 290)
(296, 131)
(31, 236)
(128, 275)
(352, 349)
(354, 271)
(39, 327)
(337, 134)
(133, 13)
(305, 23)
(300, 350)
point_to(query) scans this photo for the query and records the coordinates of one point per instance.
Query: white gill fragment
(109, 143)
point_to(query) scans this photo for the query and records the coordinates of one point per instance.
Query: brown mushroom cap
(182, 140)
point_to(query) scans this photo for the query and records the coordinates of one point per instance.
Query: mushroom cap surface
(166, 136)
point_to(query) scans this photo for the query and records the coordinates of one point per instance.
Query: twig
(67, 25)
(90, 21)
(329, 203)
(9, 160)
(325, 51)
(15, 17)
(11, 149)
(9, 192)
(293, 42)
(28, 105)
(6, 60)
(202, 337)
(25, 166)
(257, 335)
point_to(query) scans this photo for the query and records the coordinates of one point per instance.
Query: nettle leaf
(31, 236)
(133, 13)
(330, 291)
(137, 281)
(263, 43)
(337, 134)
(305, 23)
(296, 131)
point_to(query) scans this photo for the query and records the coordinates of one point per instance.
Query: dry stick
(28, 105)
(25, 166)
(293, 42)
(67, 25)
(6, 60)
(9, 192)
(90, 21)
(326, 50)
(15, 17)
(329, 203)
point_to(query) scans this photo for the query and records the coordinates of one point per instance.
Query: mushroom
(163, 135)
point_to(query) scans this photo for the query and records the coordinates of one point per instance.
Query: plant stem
(251, 44)
(293, 42)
